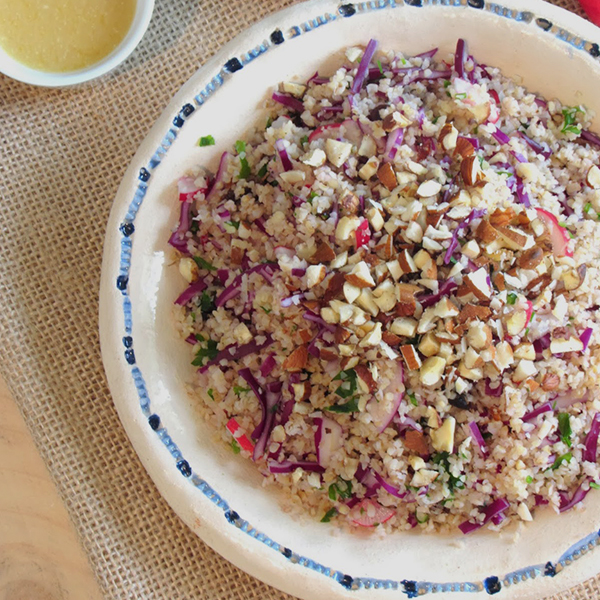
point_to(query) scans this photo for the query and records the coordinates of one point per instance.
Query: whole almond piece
(464, 148)
(530, 259)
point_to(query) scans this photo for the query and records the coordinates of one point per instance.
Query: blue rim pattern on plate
(492, 584)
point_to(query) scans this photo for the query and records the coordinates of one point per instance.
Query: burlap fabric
(62, 155)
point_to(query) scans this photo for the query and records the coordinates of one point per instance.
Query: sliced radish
(328, 439)
(558, 234)
(352, 132)
(363, 234)
(368, 513)
(324, 131)
(187, 189)
(383, 411)
(239, 435)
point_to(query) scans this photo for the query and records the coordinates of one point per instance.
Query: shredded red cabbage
(541, 344)
(478, 437)
(289, 101)
(460, 58)
(522, 195)
(268, 365)
(191, 339)
(540, 149)
(178, 239)
(317, 79)
(218, 177)
(445, 289)
(497, 507)
(588, 136)
(429, 54)
(393, 142)
(233, 290)
(500, 136)
(294, 299)
(585, 338)
(286, 163)
(473, 141)
(495, 392)
(546, 407)
(190, 292)
(234, 352)
(390, 489)
(311, 316)
(578, 496)
(289, 467)
(260, 223)
(272, 400)
(363, 67)
(474, 214)
(591, 440)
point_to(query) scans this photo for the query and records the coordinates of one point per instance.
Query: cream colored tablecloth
(62, 155)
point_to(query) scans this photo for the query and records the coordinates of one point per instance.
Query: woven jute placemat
(62, 156)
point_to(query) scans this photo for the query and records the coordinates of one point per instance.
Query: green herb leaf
(329, 515)
(207, 140)
(204, 264)
(413, 399)
(234, 224)
(207, 303)
(304, 140)
(564, 426)
(529, 479)
(245, 171)
(349, 383)
(211, 393)
(587, 207)
(570, 117)
(423, 519)
(240, 146)
(446, 83)
(350, 406)
(267, 310)
(262, 172)
(435, 120)
(209, 351)
(311, 197)
(380, 67)
(461, 96)
(594, 485)
(560, 460)
(269, 123)
(237, 390)
(511, 298)
(235, 447)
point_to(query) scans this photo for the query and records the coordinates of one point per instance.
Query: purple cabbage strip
(247, 376)
(588, 136)
(445, 289)
(223, 275)
(234, 352)
(585, 338)
(500, 136)
(541, 103)
(591, 440)
(317, 79)
(289, 101)
(311, 316)
(233, 290)
(260, 223)
(289, 467)
(420, 76)
(474, 214)
(520, 158)
(219, 176)
(478, 437)
(288, 408)
(178, 239)
(546, 407)
(390, 489)
(286, 163)
(497, 507)
(578, 496)
(522, 195)
(473, 141)
(190, 292)
(394, 140)
(495, 392)
(272, 399)
(429, 54)
(363, 67)
(536, 146)
(541, 344)
(268, 365)
(460, 57)
(191, 339)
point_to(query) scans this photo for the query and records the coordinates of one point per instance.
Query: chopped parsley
(569, 124)
(379, 66)
(423, 519)
(311, 197)
(267, 310)
(235, 447)
(304, 140)
(594, 485)
(211, 393)
(207, 303)
(240, 146)
(413, 399)
(234, 224)
(442, 459)
(511, 298)
(529, 479)
(453, 260)
(262, 172)
(207, 140)
(446, 83)
(329, 515)
(269, 123)
(349, 383)
(435, 120)
(560, 460)
(237, 390)
(587, 207)
(564, 426)
(461, 96)
(209, 351)
(245, 171)
(348, 407)
(341, 489)
(204, 264)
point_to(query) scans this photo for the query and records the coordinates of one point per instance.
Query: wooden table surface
(40, 556)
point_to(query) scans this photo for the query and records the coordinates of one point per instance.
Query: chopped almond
(486, 233)
(297, 360)
(385, 248)
(350, 204)
(406, 309)
(464, 147)
(531, 384)
(471, 172)
(472, 311)
(323, 253)
(499, 282)
(391, 339)
(434, 216)
(502, 218)
(593, 177)
(539, 283)
(305, 335)
(387, 177)
(237, 255)
(360, 276)
(407, 291)
(513, 238)
(411, 357)
(341, 334)
(328, 354)
(313, 305)
(550, 382)
(365, 374)
(335, 287)
(314, 275)
(478, 284)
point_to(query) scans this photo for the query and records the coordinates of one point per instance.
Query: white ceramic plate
(219, 496)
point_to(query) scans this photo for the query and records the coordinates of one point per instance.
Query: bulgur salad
(393, 294)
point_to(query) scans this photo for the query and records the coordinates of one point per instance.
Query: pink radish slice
(351, 131)
(328, 439)
(383, 411)
(187, 189)
(558, 234)
(239, 435)
(368, 513)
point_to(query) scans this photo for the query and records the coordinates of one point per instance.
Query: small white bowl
(17, 70)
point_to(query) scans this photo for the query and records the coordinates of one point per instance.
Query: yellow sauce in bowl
(58, 36)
